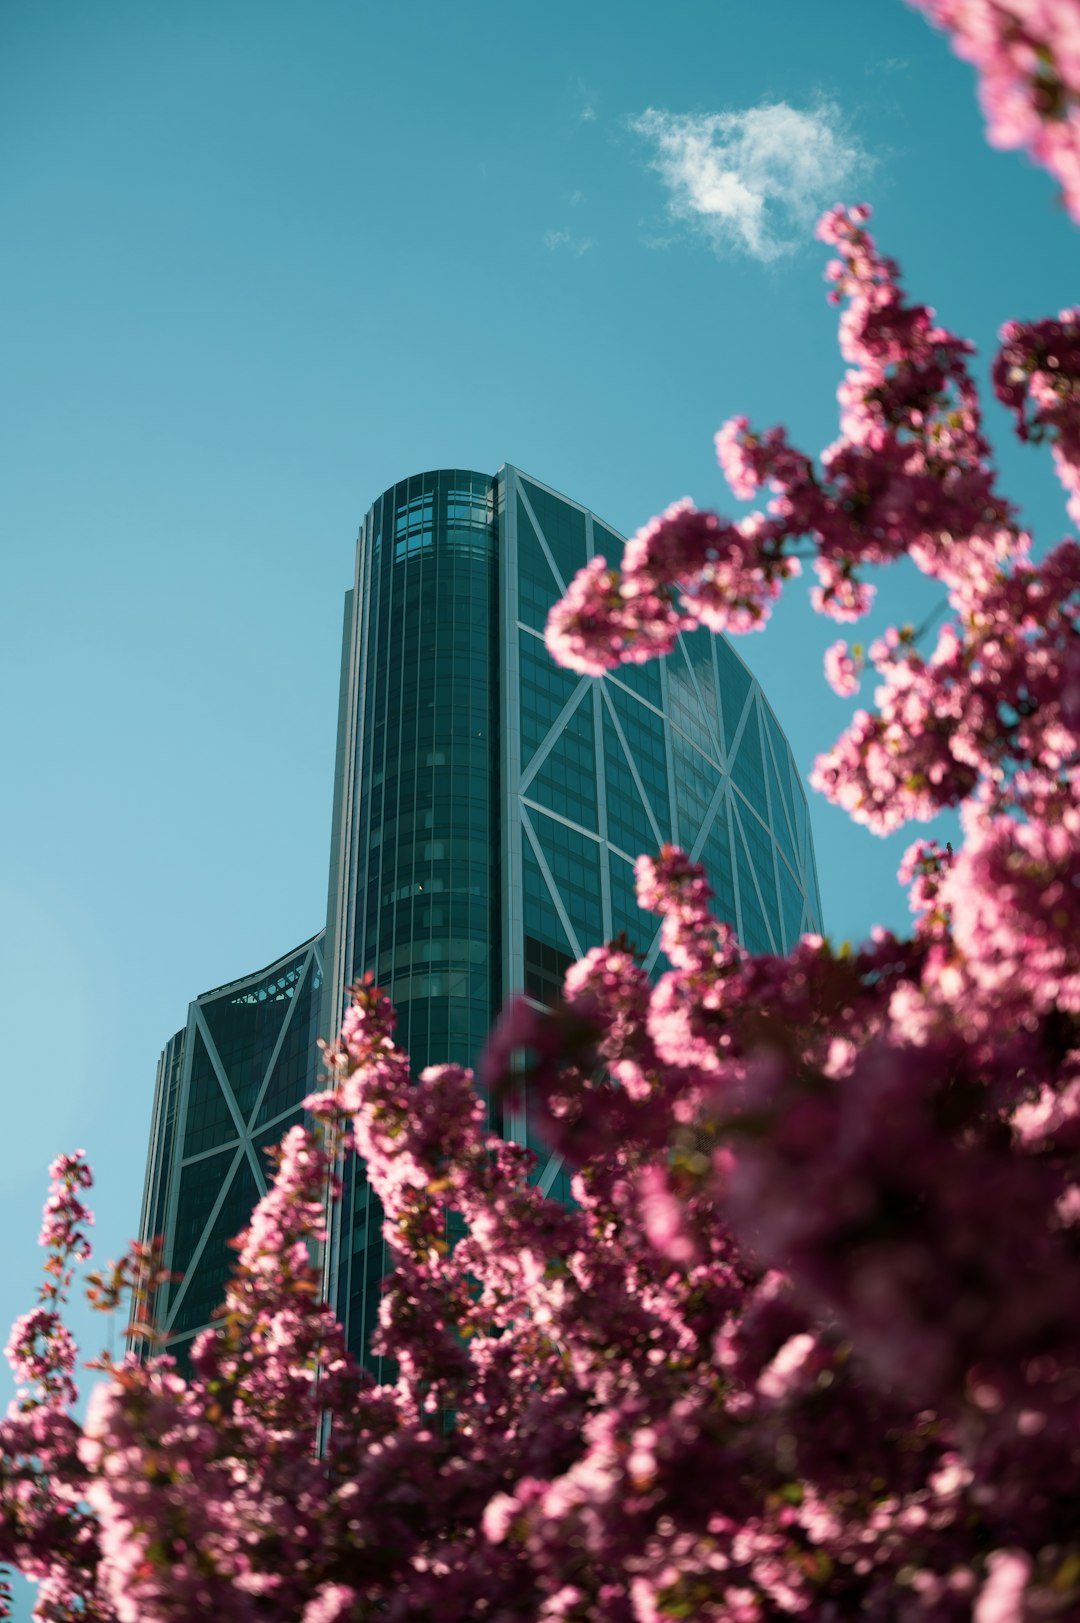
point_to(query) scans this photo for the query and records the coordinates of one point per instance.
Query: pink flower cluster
(803, 1346)
(1037, 376)
(842, 669)
(993, 709)
(1027, 53)
(40, 1349)
(909, 474)
(726, 575)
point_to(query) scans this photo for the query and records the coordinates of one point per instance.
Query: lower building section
(229, 1086)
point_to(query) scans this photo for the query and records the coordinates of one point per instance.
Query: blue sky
(259, 261)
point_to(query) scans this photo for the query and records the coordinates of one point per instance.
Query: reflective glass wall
(159, 1159)
(417, 836)
(229, 1085)
(595, 771)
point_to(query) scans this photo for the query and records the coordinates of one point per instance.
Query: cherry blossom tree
(1028, 56)
(805, 1344)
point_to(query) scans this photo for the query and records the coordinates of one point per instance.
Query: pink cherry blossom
(1027, 53)
(841, 669)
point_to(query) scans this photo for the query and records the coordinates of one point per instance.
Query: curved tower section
(489, 806)
(416, 845)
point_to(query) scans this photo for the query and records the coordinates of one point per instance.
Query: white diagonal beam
(196, 1255)
(560, 908)
(542, 538)
(285, 1024)
(552, 736)
(632, 764)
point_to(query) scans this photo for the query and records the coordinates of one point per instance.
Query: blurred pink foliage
(1027, 53)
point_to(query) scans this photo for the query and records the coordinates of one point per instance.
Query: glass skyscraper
(488, 807)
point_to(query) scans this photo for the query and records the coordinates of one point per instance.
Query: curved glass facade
(417, 834)
(425, 886)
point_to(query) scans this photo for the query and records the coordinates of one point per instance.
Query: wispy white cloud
(567, 243)
(586, 103)
(753, 181)
(575, 198)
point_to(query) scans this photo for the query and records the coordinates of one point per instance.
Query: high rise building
(488, 807)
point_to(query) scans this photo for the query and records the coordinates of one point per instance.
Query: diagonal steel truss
(777, 892)
(248, 1131)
